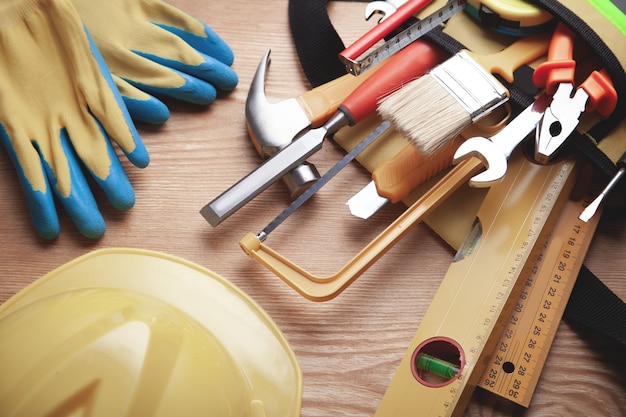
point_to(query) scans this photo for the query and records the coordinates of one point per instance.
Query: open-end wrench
(273, 125)
(495, 151)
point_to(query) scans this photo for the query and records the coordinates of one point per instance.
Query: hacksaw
(462, 325)
(516, 363)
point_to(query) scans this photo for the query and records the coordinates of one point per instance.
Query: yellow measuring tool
(449, 352)
(518, 358)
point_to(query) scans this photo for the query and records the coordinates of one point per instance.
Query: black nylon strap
(595, 306)
(316, 40)
(591, 303)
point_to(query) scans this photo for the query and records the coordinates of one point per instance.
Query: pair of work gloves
(74, 75)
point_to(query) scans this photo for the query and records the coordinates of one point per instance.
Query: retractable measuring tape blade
(358, 64)
(520, 354)
(448, 354)
(513, 17)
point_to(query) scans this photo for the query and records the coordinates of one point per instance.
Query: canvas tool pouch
(601, 24)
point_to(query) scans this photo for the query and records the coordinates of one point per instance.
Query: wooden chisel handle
(321, 102)
(398, 176)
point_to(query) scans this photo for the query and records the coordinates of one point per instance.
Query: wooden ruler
(450, 350)
(520, 354)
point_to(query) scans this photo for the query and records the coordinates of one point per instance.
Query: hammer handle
(410, 63)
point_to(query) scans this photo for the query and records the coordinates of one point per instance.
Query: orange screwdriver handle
(398, 176)
(410, 63)
(602, 94)
(560, 66)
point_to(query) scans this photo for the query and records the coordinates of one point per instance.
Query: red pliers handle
(556, 75)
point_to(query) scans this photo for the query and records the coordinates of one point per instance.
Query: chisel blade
(366, 202)
(265, 175)
(304, 197)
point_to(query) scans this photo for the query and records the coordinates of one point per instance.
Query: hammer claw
(272, 126)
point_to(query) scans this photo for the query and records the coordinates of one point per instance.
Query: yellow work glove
(154, 49)
(58, 109)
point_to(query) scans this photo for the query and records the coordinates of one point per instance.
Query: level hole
(508, 367)
(437, 362)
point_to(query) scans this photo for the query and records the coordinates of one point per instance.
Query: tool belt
(601, 25)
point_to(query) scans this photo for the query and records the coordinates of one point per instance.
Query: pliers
(556, 75)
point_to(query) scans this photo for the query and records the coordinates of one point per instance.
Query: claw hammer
(273, 125)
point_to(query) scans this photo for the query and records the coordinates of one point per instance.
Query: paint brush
(435, 108)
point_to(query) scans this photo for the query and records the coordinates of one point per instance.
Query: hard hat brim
(248, 333)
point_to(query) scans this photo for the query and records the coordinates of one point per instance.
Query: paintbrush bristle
(425, 113)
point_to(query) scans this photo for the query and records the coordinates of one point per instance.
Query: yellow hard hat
(127, 332)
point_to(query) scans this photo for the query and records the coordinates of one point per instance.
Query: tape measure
(520, 354)
(511, 17)
(357, 65)
(448, 354)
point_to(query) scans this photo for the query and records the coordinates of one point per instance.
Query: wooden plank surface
(348, 348)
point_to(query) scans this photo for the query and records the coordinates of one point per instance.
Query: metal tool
(463, 322)
(318, 288)
(495, 151)
(384, 8)
(568, 103)
(272, 126)
(516, 363)
(594, 206)
(352, 55)
(362, 102)
(403, 173)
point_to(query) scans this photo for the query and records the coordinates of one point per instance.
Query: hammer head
(491, 156)
(272, 126)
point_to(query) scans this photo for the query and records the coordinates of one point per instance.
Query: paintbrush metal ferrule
(476, 90)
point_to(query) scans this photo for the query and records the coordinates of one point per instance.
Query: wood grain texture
(348, 348)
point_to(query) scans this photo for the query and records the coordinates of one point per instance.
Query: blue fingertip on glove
(210, 44)
(193, 90)
(151, 110)
(80, 204)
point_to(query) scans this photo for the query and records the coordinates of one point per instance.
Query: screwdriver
(410, 63)
(591, 209)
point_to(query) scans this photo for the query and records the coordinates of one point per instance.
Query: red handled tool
(412, 62)
(568, 102)
(384, 28)
(354, 56)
